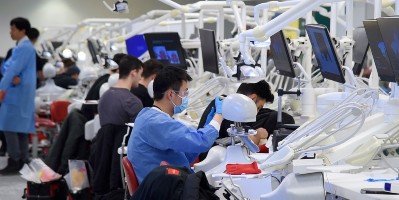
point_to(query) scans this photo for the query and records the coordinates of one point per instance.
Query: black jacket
(174, 183)
(105, 160)
(70, 144)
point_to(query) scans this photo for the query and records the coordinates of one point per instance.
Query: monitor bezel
(215, 70)
(162, 36)
(390, 56)
(383, 77)
(331, 76)
(280, 35)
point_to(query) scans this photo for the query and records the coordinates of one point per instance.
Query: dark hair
(21, 24)
(169, 78)
(72, 70)
(118, 57)
(127, 64)
(261, 88)
(33, 34)
(68, 62)
(151, 67)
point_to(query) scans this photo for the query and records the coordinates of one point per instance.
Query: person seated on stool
(261, 94)
(117, 107)
(157, 137)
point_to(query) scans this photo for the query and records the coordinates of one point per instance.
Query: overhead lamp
(120, 6)
(81, 56)
(67, 53)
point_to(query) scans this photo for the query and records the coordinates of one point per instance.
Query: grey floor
(11, 187)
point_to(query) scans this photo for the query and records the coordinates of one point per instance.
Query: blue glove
(210, 116)
(218, 104)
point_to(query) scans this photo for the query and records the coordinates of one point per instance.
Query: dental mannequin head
(49, 71)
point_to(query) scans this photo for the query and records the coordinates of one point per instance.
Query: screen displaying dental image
(325, 54)
(166, 48)
(379, 51)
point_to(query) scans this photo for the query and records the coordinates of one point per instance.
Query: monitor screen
(359, 49)
(379, 51)
(166, 48)
(136, 46)
(390, 34)
(209, 52)
(325, 54)
(94, 49)
(281, 54)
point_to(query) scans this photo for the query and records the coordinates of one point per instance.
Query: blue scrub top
(18, 107)
(157, 137)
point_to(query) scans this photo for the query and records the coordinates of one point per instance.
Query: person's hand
(218, 104)
(16, 80)
(2, 95)
(210, 116)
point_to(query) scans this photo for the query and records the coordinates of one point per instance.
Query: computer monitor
(136, 46)
(390, 34)
(379, 51)
(325, 53)
(281, 54)
(209, 52)
(166, 48)
(56, 44)
(359, 49)
(94, 49)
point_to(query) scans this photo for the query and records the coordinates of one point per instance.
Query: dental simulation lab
(199, 100)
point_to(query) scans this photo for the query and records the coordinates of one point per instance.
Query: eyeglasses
(185, 94)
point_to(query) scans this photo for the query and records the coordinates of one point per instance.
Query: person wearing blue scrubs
(157, 137)
(17, 108)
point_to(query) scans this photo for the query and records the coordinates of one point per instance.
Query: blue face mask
(178, 109)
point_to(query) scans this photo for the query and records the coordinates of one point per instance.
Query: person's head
(33, 35)
(73, 72)
(68, 62)
(19, 28)
(117, 58)
(259, 92)
(151, 68)
(171, 85)
(130, 68)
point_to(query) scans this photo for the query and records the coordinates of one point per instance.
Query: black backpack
(174, 183)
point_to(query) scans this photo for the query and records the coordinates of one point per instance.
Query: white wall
(43, 13)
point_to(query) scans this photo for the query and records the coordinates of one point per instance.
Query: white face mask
(150, 89)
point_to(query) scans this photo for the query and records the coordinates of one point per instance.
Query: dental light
(67, 53)
(120, 6)
(81, 56)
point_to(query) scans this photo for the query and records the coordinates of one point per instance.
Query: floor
(11, 187)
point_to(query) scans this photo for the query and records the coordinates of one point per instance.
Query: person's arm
(167, 133)
(132, 106)
(261, 133)
(14, 66)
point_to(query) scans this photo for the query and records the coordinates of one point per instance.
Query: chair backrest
(131, 178)
(59, 110)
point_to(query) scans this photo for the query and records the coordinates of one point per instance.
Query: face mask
(150, 89)
(183, 106)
